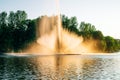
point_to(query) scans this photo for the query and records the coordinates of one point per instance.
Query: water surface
(60, 67)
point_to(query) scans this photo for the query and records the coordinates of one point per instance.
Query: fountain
(56, 55)
(53, 39)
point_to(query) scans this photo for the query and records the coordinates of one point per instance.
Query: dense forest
(16, 31)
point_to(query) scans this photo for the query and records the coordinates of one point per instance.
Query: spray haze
(52, 38)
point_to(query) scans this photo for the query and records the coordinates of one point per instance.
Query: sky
(104, 14)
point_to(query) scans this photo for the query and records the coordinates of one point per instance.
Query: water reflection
(60, 67)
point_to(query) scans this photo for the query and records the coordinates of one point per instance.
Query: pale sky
(104, 14)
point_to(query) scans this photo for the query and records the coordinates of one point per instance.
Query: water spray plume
(59, 28)
(53, 39)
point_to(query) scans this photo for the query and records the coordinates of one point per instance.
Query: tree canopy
(16, 31)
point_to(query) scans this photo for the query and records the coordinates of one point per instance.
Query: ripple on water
(59, 67)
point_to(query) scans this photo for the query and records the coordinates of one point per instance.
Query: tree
(86, 30)
(5, 36)
(3, 18)
(20, 27)
(3, 21)
(12, 22)
(16, 20)
(110, 43)
(65, 21)
(97, 35)
(70, 23)
(87, 27)
(21, 16)
(12, 30)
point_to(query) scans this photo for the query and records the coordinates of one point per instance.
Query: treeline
(88, 31)
(16, 31)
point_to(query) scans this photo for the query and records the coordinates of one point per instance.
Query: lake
(60, 67)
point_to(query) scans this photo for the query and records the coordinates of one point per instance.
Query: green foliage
(16, 31)
(3, 18)
(70, 23)
(20, 16)
(87, 30)
(87, 27)
(5, 36)
(111, 43)
(24, 35)
(16, 20)
(106, 44)
(97, 35)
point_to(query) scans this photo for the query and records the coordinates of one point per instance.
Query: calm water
(60, 67)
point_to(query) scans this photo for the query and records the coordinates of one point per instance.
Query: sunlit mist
(53, 39)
